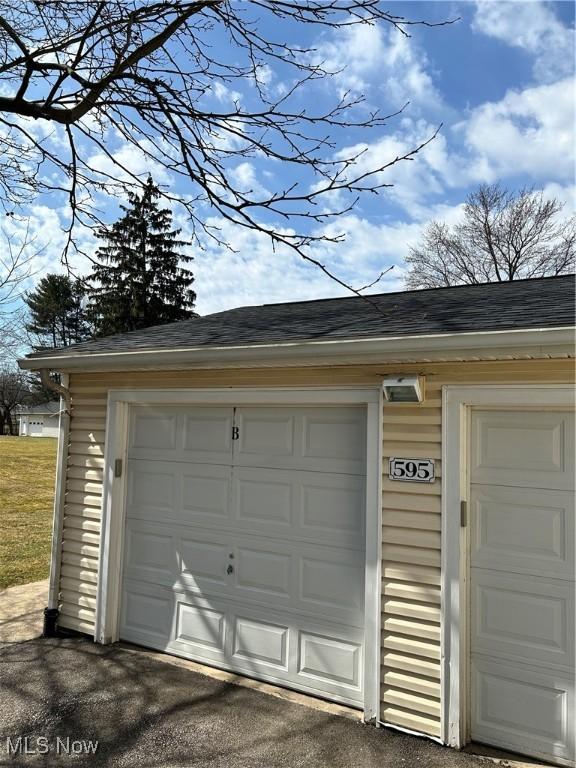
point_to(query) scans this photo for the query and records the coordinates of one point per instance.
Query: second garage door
(522, 582)
(244, 544)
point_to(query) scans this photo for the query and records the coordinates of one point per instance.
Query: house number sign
(413, 470)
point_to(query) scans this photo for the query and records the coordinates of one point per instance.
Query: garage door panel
(192, 562)
(202, 562)
(265, 433)
(523, 448)
(334, 435)
(514, 705)
(176, 492)
(261, 642)
(151, 431)
(152, 490)
(308, 579)
(332, 584)
(150, 555)
(301, 505)
(324, 657)
(207, 435)
(264, 497)
(333, 505)
(523, 617)
(266, 573)
(201, 626)
(303, 578)
(146, 617)
(206, 492)
(303, 652)
(313, 439)
(196, 434)
(523, 530)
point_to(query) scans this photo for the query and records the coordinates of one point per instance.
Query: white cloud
(224, 94)
(246, 181)
(253, 274)
(369, 249)
(415, 182)
(565, 194)
(40, 229)
(365, 57)
(527, 132)
(131, 157)
(533, 27)
(257, 274)
(406, 72)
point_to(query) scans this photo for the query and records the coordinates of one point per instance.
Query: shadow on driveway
(149, 714)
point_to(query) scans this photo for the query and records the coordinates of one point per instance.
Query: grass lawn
(27, 473)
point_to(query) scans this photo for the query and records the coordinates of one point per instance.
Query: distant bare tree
(14, 391)
(149, 72)
(15, 267)
(503, 236)
(14, 340)
(17, 253)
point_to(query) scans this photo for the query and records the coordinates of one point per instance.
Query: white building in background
(39, 420)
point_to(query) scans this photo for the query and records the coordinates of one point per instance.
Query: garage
(522, 581)
(244, 541)
(241, 490)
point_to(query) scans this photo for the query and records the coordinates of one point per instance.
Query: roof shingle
(537, 303)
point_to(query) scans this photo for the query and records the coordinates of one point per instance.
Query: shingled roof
(523, 304)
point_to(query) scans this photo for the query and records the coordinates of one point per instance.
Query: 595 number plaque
(413, 470)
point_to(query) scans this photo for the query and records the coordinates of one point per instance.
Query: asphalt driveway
(148, 713)
(144, 712)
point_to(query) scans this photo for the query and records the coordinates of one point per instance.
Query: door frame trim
(457, 402)
(114, 495)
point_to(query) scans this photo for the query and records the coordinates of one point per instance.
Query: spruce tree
(139, 280)
(57, 315)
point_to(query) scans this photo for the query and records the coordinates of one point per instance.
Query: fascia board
(539, 342)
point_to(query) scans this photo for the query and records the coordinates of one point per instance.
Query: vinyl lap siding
(410, 675)
(82, 511)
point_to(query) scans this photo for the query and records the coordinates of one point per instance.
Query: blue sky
(500, 80)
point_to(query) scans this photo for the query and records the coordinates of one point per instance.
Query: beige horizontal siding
(82, 516)
(410, 675)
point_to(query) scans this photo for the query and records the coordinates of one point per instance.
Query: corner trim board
(59, 499)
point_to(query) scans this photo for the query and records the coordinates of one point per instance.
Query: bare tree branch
(16, 256)
(77, 75)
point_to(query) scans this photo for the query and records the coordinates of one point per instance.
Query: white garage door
(35, 427)
(244, 544)
(522, 582)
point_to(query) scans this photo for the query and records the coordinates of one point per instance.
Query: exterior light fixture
(403, 389)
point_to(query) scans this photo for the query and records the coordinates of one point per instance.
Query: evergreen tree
(139, 281)
(57, 312)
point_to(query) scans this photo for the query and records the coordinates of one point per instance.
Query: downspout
(51, 611)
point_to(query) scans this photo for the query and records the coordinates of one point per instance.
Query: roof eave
(539, 342)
